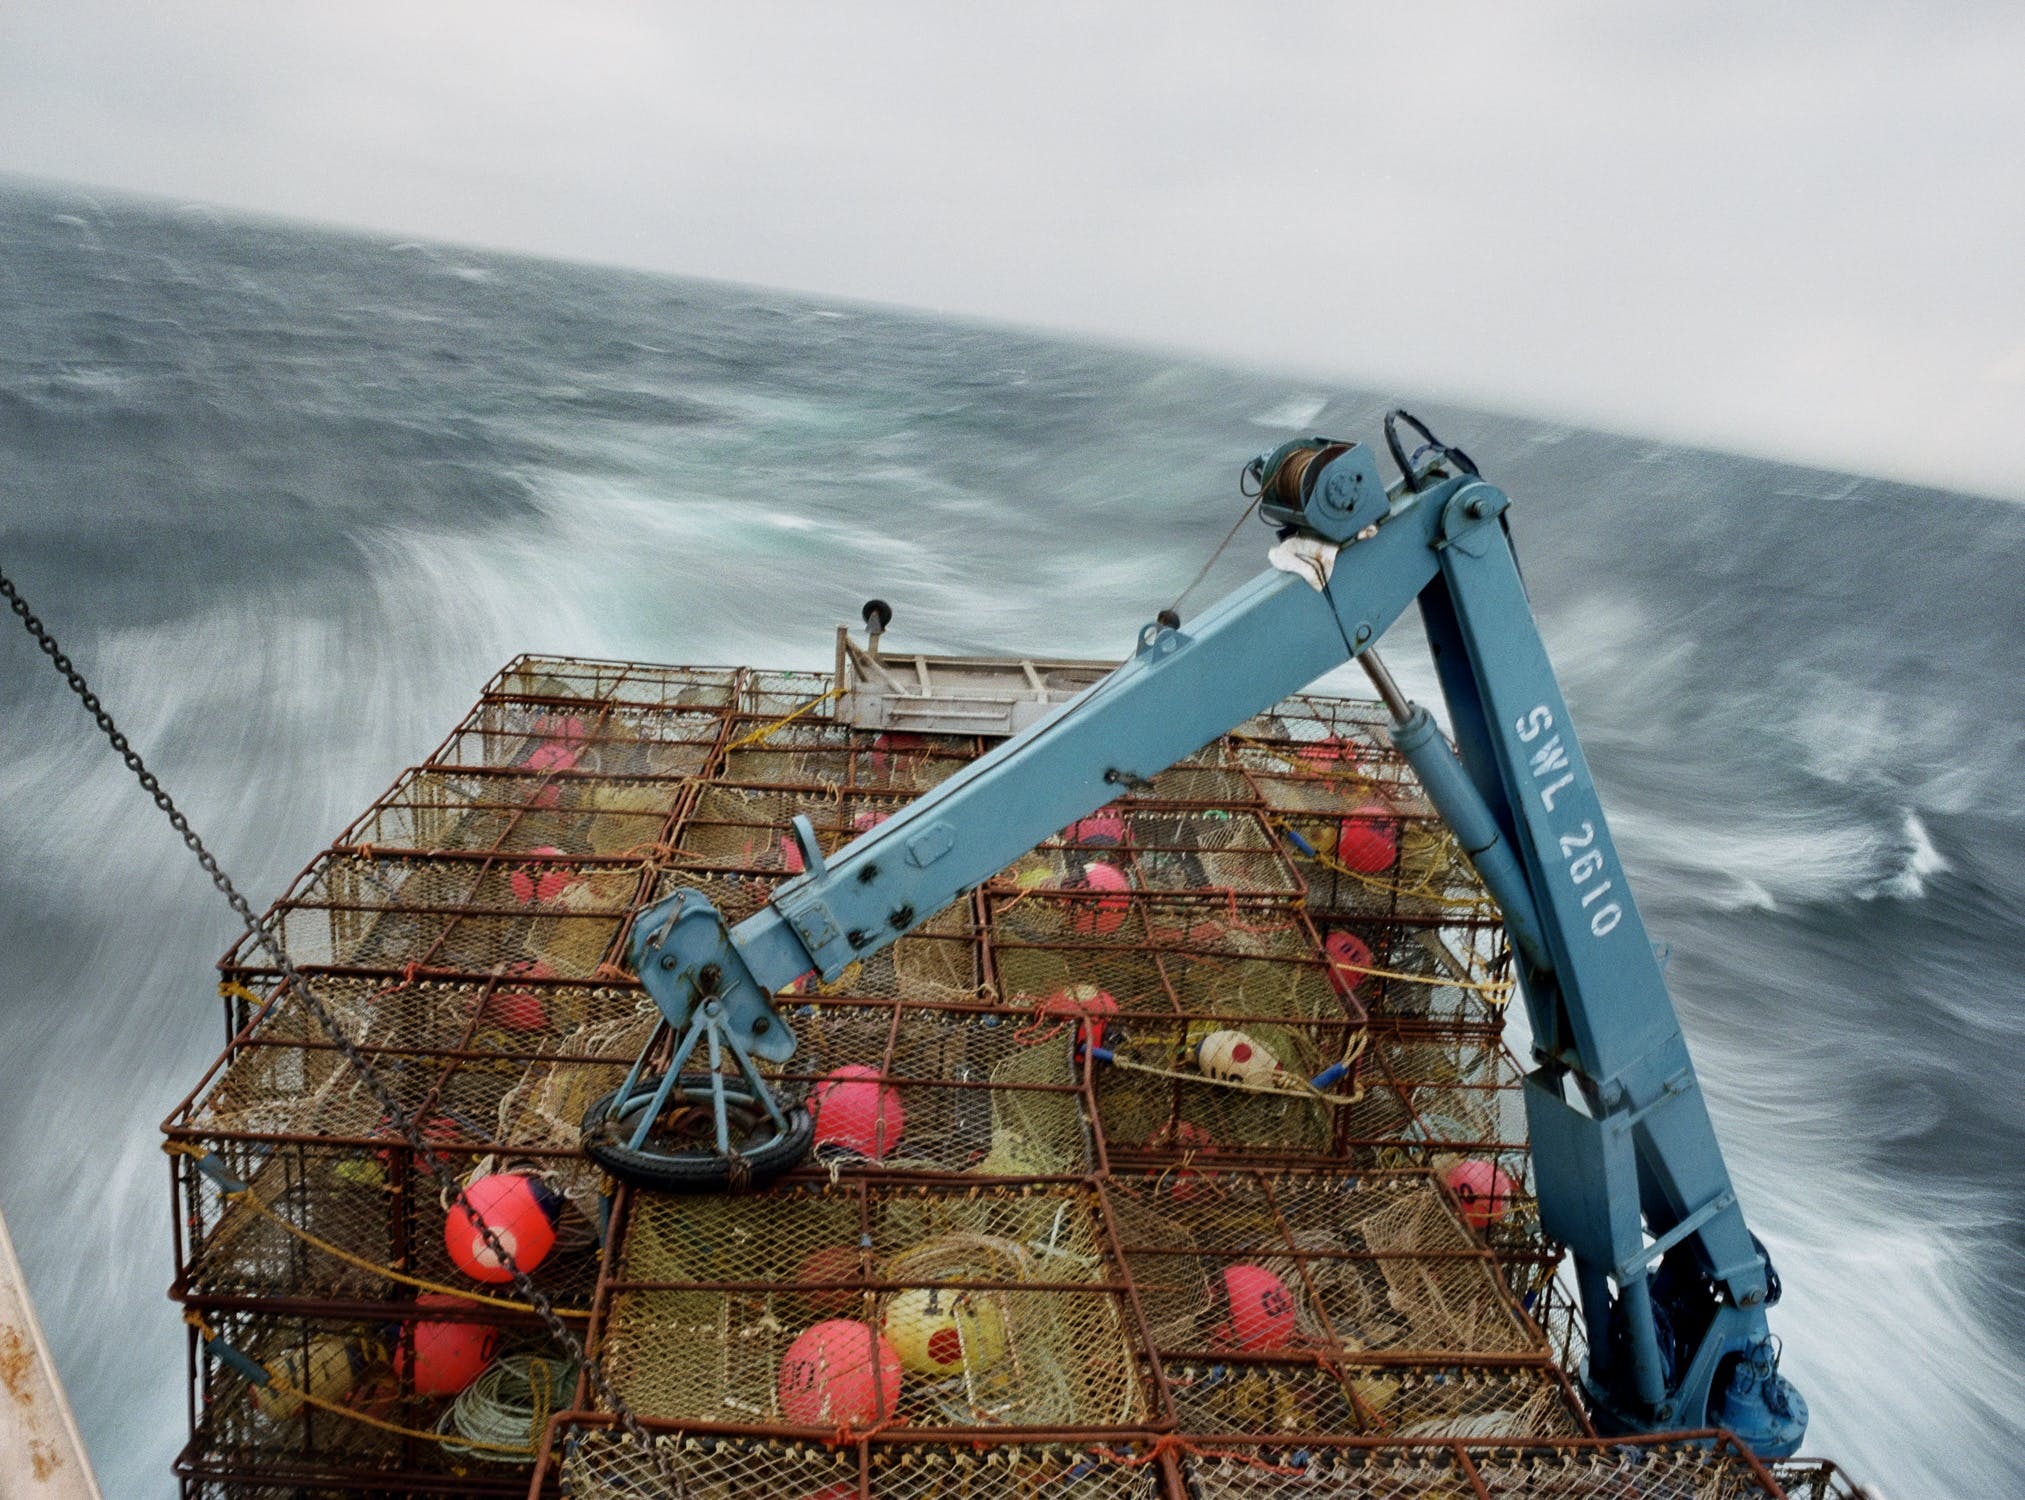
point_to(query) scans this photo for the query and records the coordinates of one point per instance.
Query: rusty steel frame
(594, 700)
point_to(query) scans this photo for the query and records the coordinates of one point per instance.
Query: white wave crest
(1298, 410)
(1919, 860)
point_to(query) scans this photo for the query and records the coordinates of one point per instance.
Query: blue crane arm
(1629, 1173)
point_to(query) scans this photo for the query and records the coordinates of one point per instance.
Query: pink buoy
(561, 746)
(1261, 1309)
(1099, 831)
(1483, 1189)
(538, 885)
(519, 1008)
(1349, 957)
(854, 1109)
(839, 1374)
(1367, 841)
(1103, 917)
(447, 1356)
(521, 1210)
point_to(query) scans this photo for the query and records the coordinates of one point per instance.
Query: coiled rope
(270, 944)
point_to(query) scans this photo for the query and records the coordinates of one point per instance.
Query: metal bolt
(900, 918)
(761, 1025)
(867, 875)
(668, 960)
(856, 937)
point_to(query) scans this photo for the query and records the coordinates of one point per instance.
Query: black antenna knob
(878, 615)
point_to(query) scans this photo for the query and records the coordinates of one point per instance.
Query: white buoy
(1236, 1058)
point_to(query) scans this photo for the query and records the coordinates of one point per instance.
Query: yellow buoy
(941, 1330)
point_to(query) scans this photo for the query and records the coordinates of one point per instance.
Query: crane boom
(1630, 1177)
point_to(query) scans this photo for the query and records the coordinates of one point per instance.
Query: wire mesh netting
(1626, 1470)
(595, 1462)
(855, 1306)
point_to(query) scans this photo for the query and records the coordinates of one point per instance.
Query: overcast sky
(1793, 229)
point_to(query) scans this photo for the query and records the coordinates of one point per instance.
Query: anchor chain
(382, 1095)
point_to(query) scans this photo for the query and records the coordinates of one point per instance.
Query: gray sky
(1791, 229)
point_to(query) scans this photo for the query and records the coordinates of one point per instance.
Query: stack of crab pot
(1182, 1158)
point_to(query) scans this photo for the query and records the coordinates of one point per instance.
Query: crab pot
(563, 740)
(1204, 853)
(595, 1461)
(473, 915)
(1710, 1467)
(1341, 1266)
(850, 766)
(1252, 1396)
(997, 1307)
(582, 682)
(452, 811)
(1451, 974)
(1158, 1094)
(336, 1190)
(918, 1089)
(358, 1367)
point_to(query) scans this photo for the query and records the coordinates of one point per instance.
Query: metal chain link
(382, 1095)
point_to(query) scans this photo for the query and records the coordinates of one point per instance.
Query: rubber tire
(694, 1171)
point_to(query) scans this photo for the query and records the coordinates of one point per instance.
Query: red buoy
(854, 1109)
(1083, 1000)
(1483, 1189)
(562, 743)
(537, 885)
(1261, 1309)
(447, 1356)
(517, 1007)
(894, 739)
(1367, 841)
(521, 1210)
(839, 1374)
(1349, 956)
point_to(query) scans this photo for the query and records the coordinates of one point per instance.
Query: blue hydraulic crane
(1673, 1285)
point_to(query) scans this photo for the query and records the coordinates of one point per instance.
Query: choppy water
(289, 497)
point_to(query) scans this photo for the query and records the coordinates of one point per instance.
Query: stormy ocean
(289, 496)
